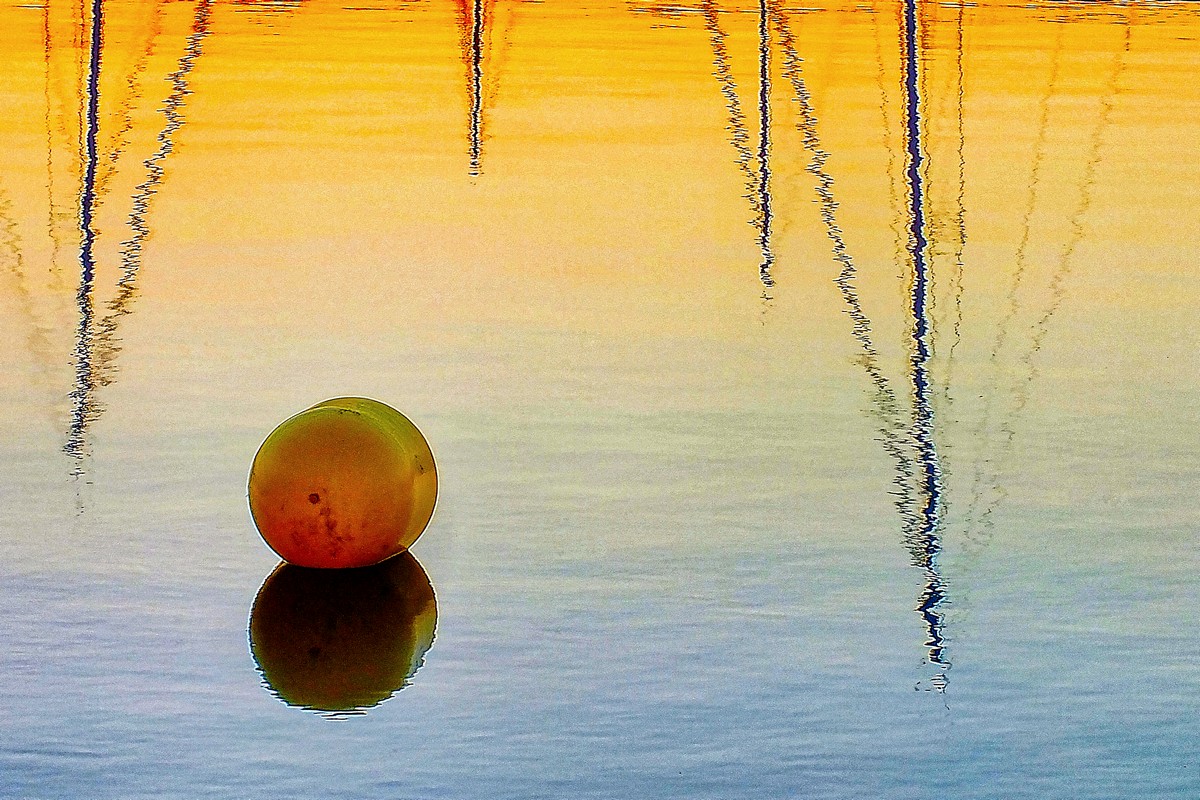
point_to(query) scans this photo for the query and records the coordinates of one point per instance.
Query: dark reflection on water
(925, 542)
(764, 145)
(83, 407)
(755, 166)
(472, 22)
(917, 484)
(340, 641)
(96, 342)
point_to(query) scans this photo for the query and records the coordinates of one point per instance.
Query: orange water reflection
(604, 185)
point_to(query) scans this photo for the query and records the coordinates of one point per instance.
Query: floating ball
(347, 483)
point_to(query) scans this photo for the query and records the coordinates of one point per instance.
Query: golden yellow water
(676, 550)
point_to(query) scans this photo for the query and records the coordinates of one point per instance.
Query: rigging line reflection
(758, 187)
(119, 141)
(1057, 286)
(51, 202)
(131, 248)
(925, 540)
(887, 408)
(960, 212)
(894, 222)
(10, 242)
(1021, 259)
(1012, 304)
(498, 58)
(917, 497)
(83, 407)
(99, 347)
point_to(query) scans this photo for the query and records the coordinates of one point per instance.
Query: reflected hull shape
(342, 640)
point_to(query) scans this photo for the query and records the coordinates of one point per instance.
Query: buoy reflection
(340, 641)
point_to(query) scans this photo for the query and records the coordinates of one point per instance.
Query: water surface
(813, 391)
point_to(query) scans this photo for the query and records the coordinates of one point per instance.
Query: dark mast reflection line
(758, 186)
(82, 400)
(926, 539)
(97, 346)
(472, 35)
(476, 88)
(931, 230)
(764, 146)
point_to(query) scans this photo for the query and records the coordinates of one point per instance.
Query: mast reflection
(754, 164)
(980, 520)
(925, 541)
(83, 407)
(472, 23)
(96, 341)
(917, 484)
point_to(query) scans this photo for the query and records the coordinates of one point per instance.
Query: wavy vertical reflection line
(960, 215)
(477, 22)
(81, 47)
(894, 222)
(10, 243)
(472, 31)
(498, 58)
(925, 541)
(931, 231)
(100, 346)
(751, 165)
(1012, 304)
(83, 408)
(53, 213)
(886, 405)
(119, 140)
(764, 146)
(980, 533)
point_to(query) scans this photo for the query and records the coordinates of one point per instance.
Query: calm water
(814, 395)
